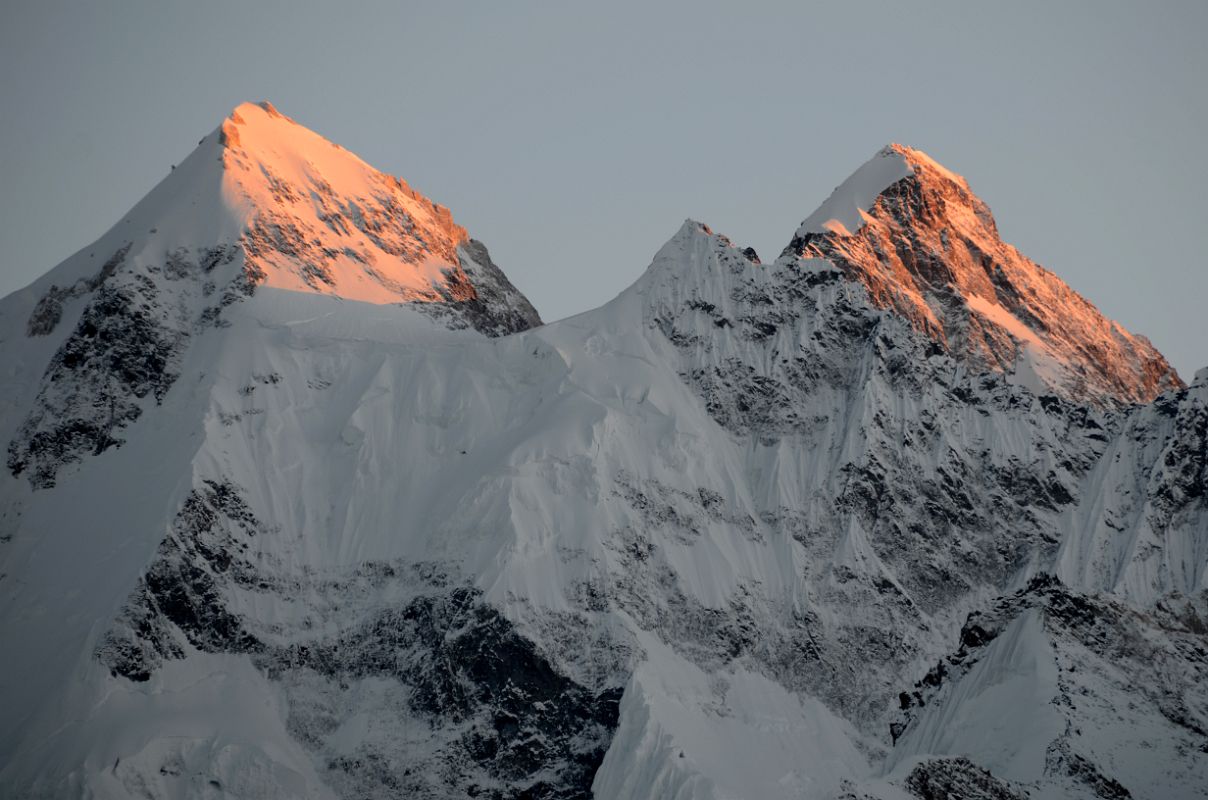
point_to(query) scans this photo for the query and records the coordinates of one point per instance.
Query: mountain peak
(927, 248)
(260, 202)
(918, 160)
(260, 131)
(845, 210)
(317, 218)
(304, 214)
(259, 114)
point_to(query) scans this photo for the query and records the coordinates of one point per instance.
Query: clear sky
(574, 138)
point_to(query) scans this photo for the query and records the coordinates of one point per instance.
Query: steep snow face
(915, 235)
(905, 485)
(752, 738)
(1033, 693)
(1001, 715)
(910, 489)
(846, 210)
(1140, 534)
(314, 217)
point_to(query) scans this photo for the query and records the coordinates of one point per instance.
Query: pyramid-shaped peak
(291, 151)
(261, 203)
(845, 211)
(313, 216)
(921, 162)
(258, 114)
(286, 153)
(300, 213)
(924, 246)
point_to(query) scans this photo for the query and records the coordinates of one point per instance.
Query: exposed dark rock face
(1181, 473)
(179, 602)
(958, 779)
(524, 729)
(126, 347)
(481, 297)
(1060, 760)
(49, 310)
(124, 352)
(503, 719)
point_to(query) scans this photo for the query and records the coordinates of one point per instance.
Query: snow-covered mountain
(261, 201)
(924, 246)
(303, 500)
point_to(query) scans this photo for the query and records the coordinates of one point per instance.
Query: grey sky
(574, 139)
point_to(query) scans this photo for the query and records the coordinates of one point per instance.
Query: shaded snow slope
(744, 531)
(1034, 693)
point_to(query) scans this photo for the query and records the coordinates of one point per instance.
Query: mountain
(924, 246)
(303, 500)
(261, 202)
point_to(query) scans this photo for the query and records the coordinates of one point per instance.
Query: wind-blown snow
(844, 211)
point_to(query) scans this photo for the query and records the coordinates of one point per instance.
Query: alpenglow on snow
(302, 499)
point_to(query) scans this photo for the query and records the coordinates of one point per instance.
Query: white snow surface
(687, 734)
(1037, 366)
(844, 211)
(1001, 714)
